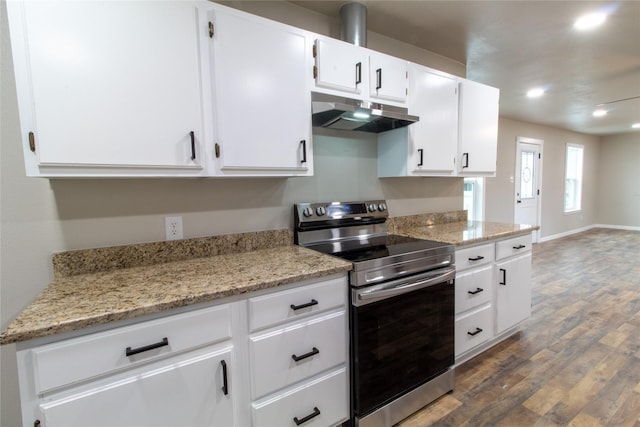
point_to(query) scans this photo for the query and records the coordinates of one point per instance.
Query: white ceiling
(516, 45)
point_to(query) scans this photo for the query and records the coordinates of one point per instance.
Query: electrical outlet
(173, 227)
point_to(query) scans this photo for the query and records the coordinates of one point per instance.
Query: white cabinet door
(262, 96)
(109, 88)
(189, 391)
(428, 147)
(513, 291)
(433, 140)
(478, 138)
(340, 66)
(387, 78)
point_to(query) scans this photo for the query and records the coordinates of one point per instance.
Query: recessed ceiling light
(635, 126)
(592, 20)
(599, 113)
(535, 93)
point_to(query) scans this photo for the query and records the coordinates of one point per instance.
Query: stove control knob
(382, 207)
(372, 207)
(320, 211)
(307, 212)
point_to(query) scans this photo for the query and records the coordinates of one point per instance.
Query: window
(474, 198)
(573, 178)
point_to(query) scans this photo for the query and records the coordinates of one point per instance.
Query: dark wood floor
(576, 361)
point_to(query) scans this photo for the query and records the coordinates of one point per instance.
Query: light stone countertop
(463, 233)
(74, 302)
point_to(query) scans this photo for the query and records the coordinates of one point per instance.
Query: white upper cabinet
(478, 137)
(108, 88)
(387, 78)
(262, 96)
(340, 66)
(430, 147)
(360, 73)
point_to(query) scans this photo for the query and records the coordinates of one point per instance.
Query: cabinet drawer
(475, 256)
(319, 343)
(296, 303)
(86, 357)
(473, 329)
(514, 246)
(473, 288)
(324, 400)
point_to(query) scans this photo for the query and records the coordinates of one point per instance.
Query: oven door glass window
(401, 343)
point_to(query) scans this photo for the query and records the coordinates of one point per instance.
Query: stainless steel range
(402, 308)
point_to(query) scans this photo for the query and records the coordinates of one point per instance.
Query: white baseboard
(617, 227)
(580, 230)
(566, 233)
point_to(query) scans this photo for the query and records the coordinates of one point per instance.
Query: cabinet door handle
(193, 145)
(465, 156)
(304, 356)
(315, 413)
(519, 247)
(304, 151)
(305, 305)
(379, 78)
(504, 277)
(477, 291)
(421, 156)
(131, 351)
(476, 258)
(225, 383)
(476, 332)
(359, 73)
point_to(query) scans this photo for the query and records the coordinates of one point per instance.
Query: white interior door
(527, 182)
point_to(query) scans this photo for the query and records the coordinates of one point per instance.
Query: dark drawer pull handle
(131, 351)
(477, 291)
(466, 160)
(304, 151)
(193, 145)
(314, 414)
(476, 332)
(301, 306)
(519, 247)
(359, 73)
(225, 383)
(379, 79)
(504, 277)
(476, 258)
(304, 356)
(421, 152)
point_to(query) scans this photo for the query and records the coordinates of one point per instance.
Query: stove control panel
(331, 211)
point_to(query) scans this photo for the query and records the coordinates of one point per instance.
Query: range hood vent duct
(353, 24)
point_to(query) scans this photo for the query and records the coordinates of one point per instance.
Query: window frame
(577, 191)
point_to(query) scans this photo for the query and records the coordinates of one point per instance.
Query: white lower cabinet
(188, 390)
(298, 357)
(268, 359)
(493, 293)
(514, 291)
(323, 401)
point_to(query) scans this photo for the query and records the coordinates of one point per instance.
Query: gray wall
(500, 190)
(619, 184)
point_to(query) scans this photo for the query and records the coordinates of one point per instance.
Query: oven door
(402, 337)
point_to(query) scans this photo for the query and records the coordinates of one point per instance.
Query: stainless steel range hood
(348, 114)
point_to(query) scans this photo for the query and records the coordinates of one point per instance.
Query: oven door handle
(434, 278)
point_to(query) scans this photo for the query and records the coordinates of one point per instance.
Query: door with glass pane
(527, 183)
